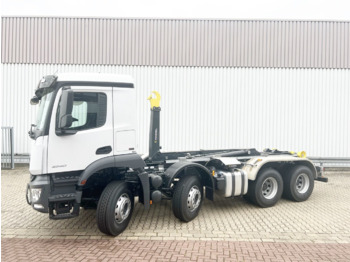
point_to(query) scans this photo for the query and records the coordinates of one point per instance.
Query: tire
(114, 208)
(298, 183)
(187, 199)
(29, 196)
(267, 188)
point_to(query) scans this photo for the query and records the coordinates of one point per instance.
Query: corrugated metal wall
(166, 42)
(206, 108)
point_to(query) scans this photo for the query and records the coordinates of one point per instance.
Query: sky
(214, 9)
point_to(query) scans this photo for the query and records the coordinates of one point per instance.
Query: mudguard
(254, 165)
(189, 168)
(133, 161)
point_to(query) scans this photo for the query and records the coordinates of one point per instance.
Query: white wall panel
(202, 108)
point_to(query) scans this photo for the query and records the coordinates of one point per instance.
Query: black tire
(29, 196)
(298, 183)
(189, 187)
(267, 188)
(106, 216)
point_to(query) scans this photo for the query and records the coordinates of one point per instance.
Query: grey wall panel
(161, 42)
(207, 108)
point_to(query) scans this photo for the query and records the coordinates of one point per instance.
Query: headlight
(36, 192)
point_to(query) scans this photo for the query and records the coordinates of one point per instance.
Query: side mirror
(34, 100)
(66, 106)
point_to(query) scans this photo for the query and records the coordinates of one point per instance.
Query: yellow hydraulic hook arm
(154, 101)
(301, 154)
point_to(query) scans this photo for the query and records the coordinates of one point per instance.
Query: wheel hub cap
(269, 188)
(302, 183)
(194, 198)
(122, 208)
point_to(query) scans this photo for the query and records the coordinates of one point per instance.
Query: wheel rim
(302, 183)
(122, 208)
(269, 188)
(194, 198)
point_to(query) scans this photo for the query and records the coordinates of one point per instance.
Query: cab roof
(94, 77)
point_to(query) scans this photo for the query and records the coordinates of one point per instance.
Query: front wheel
(267, 189)
(187, 198)
(298, 183)
(114, 208)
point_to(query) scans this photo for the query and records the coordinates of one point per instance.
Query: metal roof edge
(181, 19)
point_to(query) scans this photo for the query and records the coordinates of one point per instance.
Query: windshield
(43, 110)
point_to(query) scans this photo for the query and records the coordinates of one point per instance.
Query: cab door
(91, 136)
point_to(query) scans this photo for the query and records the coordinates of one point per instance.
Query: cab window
(89, 110)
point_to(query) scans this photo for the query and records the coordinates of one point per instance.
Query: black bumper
(58, 198)
(39, 182)
(322, 179)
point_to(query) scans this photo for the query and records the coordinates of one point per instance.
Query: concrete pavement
(320, 225)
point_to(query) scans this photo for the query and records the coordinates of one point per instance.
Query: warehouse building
(224, 83)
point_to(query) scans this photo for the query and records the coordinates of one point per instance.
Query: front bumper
(58, 198)
(39, 182)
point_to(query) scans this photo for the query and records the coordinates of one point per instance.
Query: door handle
(103, 150)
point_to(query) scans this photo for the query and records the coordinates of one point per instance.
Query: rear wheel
(298, 183)
(267, 189)
(114, 208)
(187, 198)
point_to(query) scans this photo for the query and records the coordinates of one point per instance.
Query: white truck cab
(102, 122)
